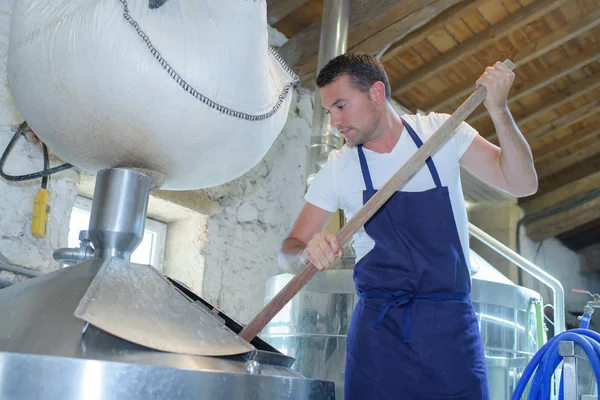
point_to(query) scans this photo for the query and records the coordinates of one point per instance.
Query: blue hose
(547, 359)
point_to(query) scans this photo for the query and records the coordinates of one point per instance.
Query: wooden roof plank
(372, 25)
(563, 121)
(576, 137)
(554, 225)
(515, 21)
(524, 56)
(573, 158)
(449, 16)
(568, 65)
(551, 102)
(567, 193)
(278, 11)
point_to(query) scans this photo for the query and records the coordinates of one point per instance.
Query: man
(414, 334)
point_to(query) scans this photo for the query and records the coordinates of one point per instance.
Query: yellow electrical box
(41, 209)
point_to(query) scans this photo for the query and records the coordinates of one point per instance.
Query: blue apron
(414, 332)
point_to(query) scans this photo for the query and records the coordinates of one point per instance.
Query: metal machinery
(313, 327)
(48, 353)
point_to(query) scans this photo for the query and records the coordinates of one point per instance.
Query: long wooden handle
(397, 181)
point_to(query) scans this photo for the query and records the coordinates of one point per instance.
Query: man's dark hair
(364, 70)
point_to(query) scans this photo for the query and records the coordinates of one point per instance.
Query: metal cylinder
(118, 212)
(334, 41)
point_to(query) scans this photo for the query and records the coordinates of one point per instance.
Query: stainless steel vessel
(48, 353)
(313, 327)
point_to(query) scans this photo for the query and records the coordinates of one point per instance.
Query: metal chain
(188, 88)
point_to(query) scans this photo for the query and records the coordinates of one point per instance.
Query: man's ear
(377, 92)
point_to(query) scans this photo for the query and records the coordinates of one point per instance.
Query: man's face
(352, 111)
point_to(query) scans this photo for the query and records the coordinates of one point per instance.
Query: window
(150, 251)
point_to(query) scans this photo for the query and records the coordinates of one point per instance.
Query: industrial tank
(48, 353)
(107, 328)
(313, 327)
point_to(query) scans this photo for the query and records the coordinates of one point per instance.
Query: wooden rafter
(281, 9)
(549, 42)
(475, 43)
(587, 239)
(543, 153)
(557, 71)
(549, 103)
(566, 176)
(567, 193)
(372, 25)
(299, 49)
(449, 16)
(577, 156)
(563, 222)
(564, 121)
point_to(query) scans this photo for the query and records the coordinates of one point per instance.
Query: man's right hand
(322, 250)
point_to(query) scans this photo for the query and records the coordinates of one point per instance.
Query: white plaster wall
(256, 213)
(17, 245)
(184, 258)
(565, 265)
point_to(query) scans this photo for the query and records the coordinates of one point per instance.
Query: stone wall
(17, 245)
(256, 213)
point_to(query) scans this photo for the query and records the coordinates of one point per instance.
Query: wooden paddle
(397, 181)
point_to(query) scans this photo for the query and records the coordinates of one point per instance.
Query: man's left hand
(497, 79)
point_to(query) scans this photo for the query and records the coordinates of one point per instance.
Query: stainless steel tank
(313, 327)
(49, 353)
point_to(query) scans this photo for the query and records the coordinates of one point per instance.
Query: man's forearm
(292, 246)
(288, 255)
(516, 160)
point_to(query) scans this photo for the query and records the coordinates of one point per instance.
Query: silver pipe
(527, 266)
(118, 212)
(333, 42)
(15, 269)
(75, 255)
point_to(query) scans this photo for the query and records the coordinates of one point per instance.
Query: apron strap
(419, 143)
(401, 298)
(365, 168)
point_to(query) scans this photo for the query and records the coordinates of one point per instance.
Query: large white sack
(113, 83)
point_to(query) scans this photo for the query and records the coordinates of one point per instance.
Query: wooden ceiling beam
(281, 9)
(543, 153)
(547, 43)
(564, 121)
(555, 166)
(566, 176)
(577, 156)
(564, 194)
(373, 25)
(544, 228)
(363, 17)
(448, 17)
(549, 103)
(583, 240)
(555, 72)
(475, 43)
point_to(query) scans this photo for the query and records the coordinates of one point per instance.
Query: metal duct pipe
(334, 42)
(118, 212)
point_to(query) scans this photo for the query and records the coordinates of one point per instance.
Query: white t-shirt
(340, 184)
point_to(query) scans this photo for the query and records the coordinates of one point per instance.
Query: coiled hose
(547, 359)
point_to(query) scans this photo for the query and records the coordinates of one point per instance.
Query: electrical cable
(36, 175)
(46, 165)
